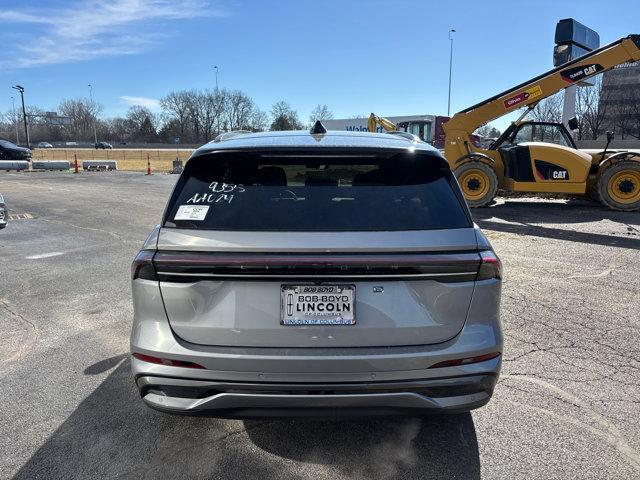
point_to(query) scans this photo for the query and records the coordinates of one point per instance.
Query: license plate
(318, 304)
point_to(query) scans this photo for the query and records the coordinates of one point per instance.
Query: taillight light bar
(142, 266)
(466, 361)
(490, 266)
(166, 361)
(176, 266)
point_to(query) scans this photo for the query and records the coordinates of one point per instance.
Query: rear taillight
(491, 266)
(142, 266)
(466, 361)
(166, 361)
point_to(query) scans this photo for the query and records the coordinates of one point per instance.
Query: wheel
(592, 190)
(619, 186)
(479, 183)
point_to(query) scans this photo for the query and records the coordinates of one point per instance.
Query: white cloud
(96, 28)
(152, 104)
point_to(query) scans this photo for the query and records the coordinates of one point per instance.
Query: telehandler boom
(542, 156)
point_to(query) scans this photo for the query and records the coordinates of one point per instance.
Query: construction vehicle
(542, 156)
(375, 120)
(427, 130)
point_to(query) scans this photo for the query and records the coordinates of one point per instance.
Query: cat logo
(576, 74)
(559, 174)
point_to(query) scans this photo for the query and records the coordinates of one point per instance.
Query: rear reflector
(465, 361)
(491, 266)
(166, 361)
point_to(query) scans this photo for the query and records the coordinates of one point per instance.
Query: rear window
(299, 192)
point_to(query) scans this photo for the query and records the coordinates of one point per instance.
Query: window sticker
(191, 212)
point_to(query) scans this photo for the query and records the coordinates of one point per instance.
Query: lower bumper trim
(456, 394)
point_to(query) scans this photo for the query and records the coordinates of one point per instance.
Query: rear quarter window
(284, 191)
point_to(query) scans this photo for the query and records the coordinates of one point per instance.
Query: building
(620, 101)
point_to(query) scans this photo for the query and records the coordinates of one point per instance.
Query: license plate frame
(312, 317)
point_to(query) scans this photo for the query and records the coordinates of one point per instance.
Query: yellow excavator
(375, 120)
(542, 156)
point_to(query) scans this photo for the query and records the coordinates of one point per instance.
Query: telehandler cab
(542, 156)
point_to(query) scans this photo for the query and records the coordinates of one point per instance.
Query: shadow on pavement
(524, 214)
(111, 434)
(438, 446)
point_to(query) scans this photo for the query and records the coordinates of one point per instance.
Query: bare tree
(549, 109)
(284, 117)
(259, 120)
(321, 112)
(83, 114)
(206, 107)
(238, 110)
(488, 131)
(591, 109)
(178, 106)
(141, 124)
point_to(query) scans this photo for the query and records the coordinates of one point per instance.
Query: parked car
(103, 146)
(44, 145)
(4, 214)
(11, 151)
(297, 273)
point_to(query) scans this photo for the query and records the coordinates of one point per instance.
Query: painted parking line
(44, 255)
(20, 216)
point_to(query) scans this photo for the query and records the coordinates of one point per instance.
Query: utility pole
(15, 119)
(450, 69)
(20, 88)
(95, 134)
(217, 100)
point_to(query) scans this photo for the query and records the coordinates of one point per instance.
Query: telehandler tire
(592, 190)
(619, 186)
(479, 183)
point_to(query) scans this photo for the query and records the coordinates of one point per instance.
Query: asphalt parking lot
(567, 405)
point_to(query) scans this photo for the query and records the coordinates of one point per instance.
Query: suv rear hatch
(317, 249)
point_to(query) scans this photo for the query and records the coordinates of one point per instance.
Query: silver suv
(311, 274)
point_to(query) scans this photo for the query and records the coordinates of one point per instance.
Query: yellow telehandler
(542, 156)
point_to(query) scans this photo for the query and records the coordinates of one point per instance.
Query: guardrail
(16, 165)
(50, 165)
(99, 165)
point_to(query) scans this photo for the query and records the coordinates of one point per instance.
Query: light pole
(216, 68)
(15, 119)
(20, 88)
(450, 67)
(95, 134)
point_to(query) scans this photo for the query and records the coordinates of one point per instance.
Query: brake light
(466, 361)
(490, 266)
(142, 266)
(167, 361)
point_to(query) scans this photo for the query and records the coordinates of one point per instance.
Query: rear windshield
(297, 192)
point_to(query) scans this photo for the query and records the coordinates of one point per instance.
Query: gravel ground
(567, 405)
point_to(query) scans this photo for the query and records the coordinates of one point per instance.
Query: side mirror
(573, 123)
(610, 137)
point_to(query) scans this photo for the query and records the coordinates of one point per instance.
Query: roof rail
(229, 135)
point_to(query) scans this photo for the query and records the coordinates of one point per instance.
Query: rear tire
(619, 186)
(479, 183)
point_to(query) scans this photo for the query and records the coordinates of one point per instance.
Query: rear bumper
(241, 400)
(260, 381)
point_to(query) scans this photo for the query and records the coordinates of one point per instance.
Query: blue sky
(389, 57)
